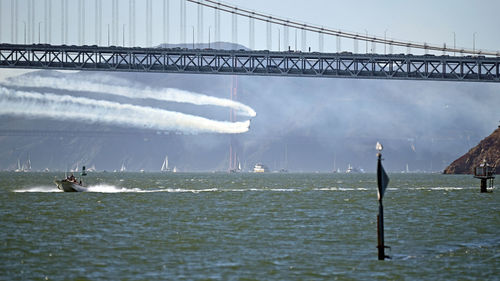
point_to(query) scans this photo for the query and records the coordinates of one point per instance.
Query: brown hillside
(488, 148)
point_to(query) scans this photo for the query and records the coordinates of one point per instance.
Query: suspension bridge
(436, 62)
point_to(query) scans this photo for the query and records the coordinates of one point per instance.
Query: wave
(446, 188)
(107, 188)
(341, 189)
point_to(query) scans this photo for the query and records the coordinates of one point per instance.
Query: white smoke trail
(168, 94)
(64, 107)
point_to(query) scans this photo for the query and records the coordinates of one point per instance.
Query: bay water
(219, 226)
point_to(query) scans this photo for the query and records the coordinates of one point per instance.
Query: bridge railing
(241, 62)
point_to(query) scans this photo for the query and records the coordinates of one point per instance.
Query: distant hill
(488, 148)
(213, 45)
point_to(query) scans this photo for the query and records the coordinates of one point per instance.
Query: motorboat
(71, 183)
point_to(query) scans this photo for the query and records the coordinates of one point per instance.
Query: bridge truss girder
(340, 65)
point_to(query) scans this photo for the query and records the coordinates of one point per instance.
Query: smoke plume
(166, 94)
(65, 107)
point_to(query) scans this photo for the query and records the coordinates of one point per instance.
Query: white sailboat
(18, 166)
(335, 170)
(123, 168)
(351, 169)
(238, 167)
(27, 167)
(164, 166)
(285, 169)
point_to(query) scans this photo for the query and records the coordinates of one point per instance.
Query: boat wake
(104, 188)
(101, 188)
(107, 188)
(39, 189)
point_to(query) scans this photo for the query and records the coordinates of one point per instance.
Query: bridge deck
(241, 62)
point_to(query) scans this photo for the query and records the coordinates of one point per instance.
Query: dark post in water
(382, 181)
(380, 232)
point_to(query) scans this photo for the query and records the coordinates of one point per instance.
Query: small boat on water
(353, 170)
(260, 168)
(71, 183)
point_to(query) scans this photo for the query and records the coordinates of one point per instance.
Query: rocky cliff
(488, 148)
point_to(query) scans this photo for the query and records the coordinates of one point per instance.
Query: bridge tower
(233, 155)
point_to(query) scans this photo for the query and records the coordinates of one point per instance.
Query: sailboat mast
(286, 156)
(334, 162)
(164, 166)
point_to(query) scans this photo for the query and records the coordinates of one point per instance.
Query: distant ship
(260, 168)
(164, 166)
(353, 170)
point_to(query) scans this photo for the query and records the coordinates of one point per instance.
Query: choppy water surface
(247, 226)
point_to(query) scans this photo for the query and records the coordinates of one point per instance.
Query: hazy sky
(420, 21)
